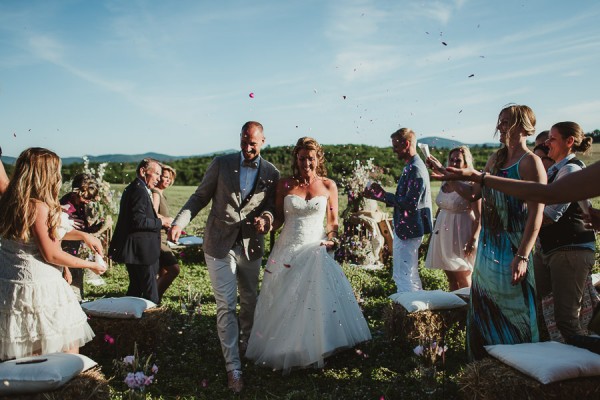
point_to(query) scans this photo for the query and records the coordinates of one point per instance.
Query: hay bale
(89, 385)
(148, 332)
(490, 379)
(400, 324)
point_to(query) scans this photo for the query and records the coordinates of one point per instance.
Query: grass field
(191, 364)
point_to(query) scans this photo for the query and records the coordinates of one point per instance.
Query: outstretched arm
(577, 186)
(466, 191)
(50, 248)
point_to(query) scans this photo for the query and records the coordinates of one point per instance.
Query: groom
(242, 189)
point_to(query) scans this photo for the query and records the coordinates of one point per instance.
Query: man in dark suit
(136, 241)
(412, 210)
(241, 187)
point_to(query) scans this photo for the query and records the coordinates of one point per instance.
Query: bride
(306, 309)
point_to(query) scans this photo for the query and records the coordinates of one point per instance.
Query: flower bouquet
(139, 373)
(360, 177)
(429, 351)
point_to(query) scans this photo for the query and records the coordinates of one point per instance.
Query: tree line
(340, 162)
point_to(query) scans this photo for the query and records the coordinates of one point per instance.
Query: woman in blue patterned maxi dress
(502, 309)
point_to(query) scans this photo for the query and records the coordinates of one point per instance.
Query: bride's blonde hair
(36, 178)
(308, 143)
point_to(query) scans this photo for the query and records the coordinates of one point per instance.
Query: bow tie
(250, 164)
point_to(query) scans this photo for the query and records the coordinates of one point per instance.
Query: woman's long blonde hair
(36, 177)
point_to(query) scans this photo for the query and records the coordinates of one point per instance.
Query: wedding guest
(567, 246)
(84, 190)
(412, 210)
(167, 263)
(40, 313)
(453, 242)
(502, 308)
(306, 309)
(136, 240)
(541, 138)
(241, 187)
(541, 150)
(3, 176)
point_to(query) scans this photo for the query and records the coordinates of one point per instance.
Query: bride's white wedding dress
(306, 309)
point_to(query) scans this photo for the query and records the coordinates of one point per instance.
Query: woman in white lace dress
(39, 313)
(306, 309)
(453, 242)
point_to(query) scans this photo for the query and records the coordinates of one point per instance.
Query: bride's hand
(331, 244)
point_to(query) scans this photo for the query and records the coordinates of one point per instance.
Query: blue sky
(98, 77)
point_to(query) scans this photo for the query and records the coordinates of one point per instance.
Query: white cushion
(427, 300)
(117, 307)
(548, 361)
(190, 241)
(463, 292)
(54, 370)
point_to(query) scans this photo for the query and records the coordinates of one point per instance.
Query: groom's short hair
(248, 124)
(405, 134)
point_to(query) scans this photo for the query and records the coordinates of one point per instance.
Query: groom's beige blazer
(231, 218)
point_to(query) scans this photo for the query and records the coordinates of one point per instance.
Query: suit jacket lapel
(233, 165)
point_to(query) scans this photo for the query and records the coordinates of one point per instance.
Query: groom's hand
(174, 233)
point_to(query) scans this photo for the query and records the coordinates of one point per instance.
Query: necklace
(306, 183)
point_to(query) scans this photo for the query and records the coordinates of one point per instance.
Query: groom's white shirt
(247, 177)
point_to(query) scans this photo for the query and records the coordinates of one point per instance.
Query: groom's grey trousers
(227, 275)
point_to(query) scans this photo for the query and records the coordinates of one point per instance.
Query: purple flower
(129, 360)
(154, 369)
(418, 350)
(130, 381)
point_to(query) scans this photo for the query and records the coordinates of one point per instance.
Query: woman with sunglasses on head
(453, 242)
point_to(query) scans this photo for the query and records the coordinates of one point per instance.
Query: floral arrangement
(108, 202)
(429, 351)
(356, 183)
(356, 249)
(192, 303)
(139, 373)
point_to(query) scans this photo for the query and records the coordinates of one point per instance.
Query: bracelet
(522, 258)
(482, 177)
(335, 233)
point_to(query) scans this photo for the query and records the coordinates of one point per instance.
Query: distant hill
(443, 143)
(123, 158)
(134, 158)
(440, 143)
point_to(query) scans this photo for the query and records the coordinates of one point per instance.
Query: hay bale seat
(148, 332)
(89, 385)
(490, 379)
(409, 327)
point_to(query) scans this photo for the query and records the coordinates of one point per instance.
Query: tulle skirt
(39, 313)
(306, 311)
